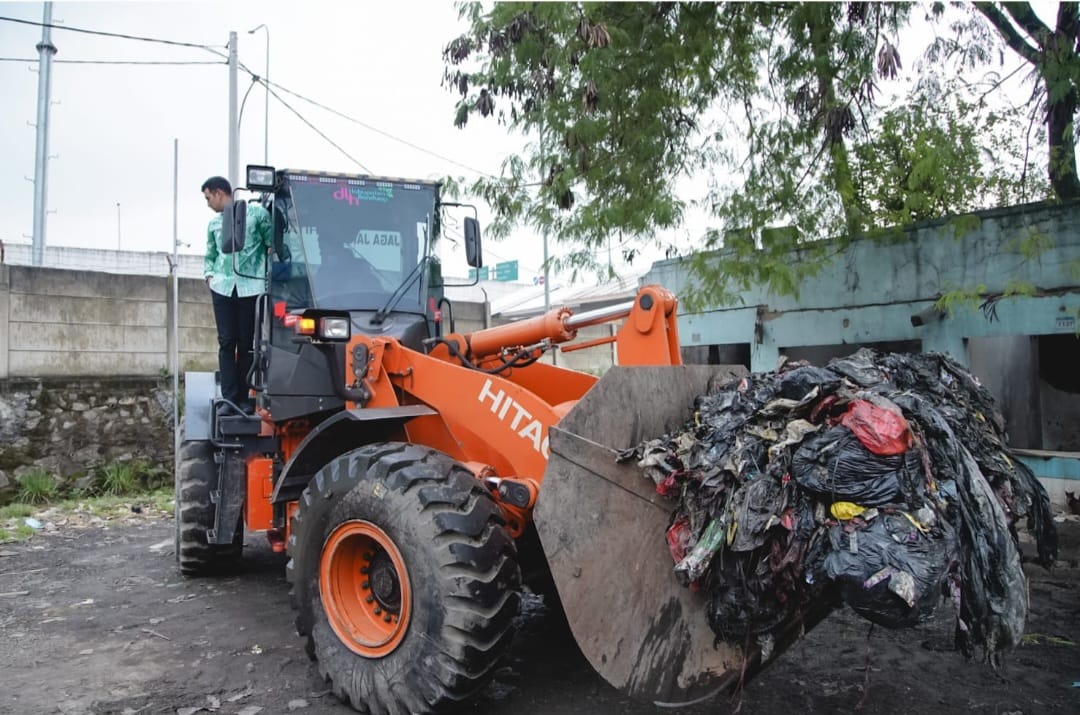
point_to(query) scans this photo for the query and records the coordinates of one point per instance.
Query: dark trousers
(235, 318)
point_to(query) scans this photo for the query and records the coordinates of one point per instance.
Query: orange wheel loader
(415, 475)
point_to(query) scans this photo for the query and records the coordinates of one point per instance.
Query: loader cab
(361, 246)
(349, 243)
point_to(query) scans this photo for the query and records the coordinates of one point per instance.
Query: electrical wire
(315, 129)
(118, 35)
(35, 60)
(240, 118)
(386, 134)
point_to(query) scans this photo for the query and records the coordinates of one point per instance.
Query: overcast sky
(112, 126)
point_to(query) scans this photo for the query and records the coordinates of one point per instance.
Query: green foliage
(16, 511)
(130, 478)
(961, 298)
(162, 500)
(964, 224)
(118, 478)
(1072, 269)
(36, 487)
(769, 110)
(925, 159)
(1019, 288)
(19, 532)
(1034, 243)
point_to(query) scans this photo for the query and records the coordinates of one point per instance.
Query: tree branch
(1068, 19)
(1026, 18)
(1012, 37)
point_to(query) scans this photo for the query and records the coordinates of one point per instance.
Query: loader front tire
(196, 476)
(405, 579)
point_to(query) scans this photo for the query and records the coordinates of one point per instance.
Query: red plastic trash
(881, 431)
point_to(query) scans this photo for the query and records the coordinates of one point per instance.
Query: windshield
(356, 240)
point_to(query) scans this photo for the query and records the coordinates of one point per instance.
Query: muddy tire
(195, 478)
(405, 579)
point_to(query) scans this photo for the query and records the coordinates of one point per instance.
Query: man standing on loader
(234, 288)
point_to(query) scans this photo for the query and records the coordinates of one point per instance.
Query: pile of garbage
(883, 480)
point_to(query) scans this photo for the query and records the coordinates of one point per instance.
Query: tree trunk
(1054, 56)
(1059, 124)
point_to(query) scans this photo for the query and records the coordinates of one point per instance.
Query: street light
(266, 111)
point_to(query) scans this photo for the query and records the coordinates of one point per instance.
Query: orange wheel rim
(365, 588)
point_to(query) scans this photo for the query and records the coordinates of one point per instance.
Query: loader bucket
(602, 526)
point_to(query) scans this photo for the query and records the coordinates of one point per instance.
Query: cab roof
(359, 177)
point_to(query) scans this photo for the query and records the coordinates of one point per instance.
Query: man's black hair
(217, 183)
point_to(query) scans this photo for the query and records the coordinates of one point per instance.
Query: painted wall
(869, 293)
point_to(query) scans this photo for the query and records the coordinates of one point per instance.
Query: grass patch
(130, 479)
(1040, 639)
(16, 511)
(119, 478)
(77, 511)
(22, 532)
(36, 487)
(113, 505)
(163, 500)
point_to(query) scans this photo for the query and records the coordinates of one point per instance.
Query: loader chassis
(398, 463)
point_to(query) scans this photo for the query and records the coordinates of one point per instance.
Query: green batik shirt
(250, 261)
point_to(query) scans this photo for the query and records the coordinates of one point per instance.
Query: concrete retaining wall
(61, 323)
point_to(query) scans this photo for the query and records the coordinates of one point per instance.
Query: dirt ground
(96, 620)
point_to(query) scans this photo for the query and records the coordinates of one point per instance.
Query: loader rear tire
(195, 478)
(405, 579)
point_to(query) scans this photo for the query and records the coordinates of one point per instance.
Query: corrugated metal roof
(529, 300)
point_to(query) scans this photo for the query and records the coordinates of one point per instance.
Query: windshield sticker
(375, 238)
(381, 248)
(355, 195)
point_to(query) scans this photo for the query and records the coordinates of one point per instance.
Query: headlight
(260, 178)
(334, 329)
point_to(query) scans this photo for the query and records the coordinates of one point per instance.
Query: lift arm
(650, 335)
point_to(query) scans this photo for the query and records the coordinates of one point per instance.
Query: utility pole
(266, 101)
(234, 143)
(46, 49)
(175, 270)
(117, 225)
(547, 271)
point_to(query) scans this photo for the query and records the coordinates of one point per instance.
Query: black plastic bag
(798, 383)
(892, 570)
(835, 464)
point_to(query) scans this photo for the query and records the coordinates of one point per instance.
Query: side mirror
(233, 227)
(473, 254)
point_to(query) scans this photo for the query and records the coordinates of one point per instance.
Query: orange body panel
(258, 511)
(650, 336)
(290, 436)
(498, 422)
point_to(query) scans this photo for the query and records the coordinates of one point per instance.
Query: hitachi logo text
(517, 418)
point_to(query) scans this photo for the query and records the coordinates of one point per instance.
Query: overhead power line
(315, 129)
(255, 77)
(34, 60)
(118, 35)
(369, 127)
